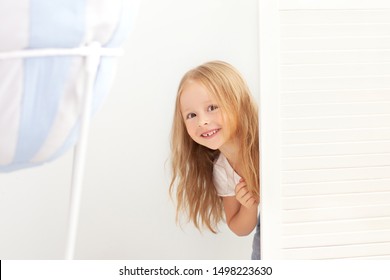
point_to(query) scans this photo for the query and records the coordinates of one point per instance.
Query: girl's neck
(231, 151)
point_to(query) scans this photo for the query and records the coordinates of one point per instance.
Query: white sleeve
(221, 182)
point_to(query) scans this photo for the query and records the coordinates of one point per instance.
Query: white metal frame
(92, 54)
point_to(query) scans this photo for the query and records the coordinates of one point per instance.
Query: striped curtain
(40, 98)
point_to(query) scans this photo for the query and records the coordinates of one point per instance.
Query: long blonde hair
(192, 163)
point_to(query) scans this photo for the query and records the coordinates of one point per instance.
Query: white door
(325, 128)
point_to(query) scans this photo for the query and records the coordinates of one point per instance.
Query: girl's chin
(209, 146)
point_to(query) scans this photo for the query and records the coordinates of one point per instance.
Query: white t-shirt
(224, 177)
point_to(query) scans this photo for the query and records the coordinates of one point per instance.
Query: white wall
(126, 212)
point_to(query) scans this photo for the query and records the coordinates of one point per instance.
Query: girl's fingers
(240, 186)
(245, 197)
(251, 201)
(242, 193)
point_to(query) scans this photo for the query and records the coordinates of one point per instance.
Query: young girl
(215, 150)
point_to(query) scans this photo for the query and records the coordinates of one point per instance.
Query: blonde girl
(215, 150)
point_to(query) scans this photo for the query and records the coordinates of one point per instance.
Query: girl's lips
(210, 133)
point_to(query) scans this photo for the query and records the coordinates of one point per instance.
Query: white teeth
(209, 133)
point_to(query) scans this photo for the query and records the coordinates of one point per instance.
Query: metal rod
(92, 63)
(82, 51)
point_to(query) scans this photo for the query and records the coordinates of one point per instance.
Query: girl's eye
(212, 108)
(190, 116)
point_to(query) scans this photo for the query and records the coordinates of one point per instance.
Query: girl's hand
(244, 196)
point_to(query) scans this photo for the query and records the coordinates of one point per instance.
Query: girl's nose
(203, 121)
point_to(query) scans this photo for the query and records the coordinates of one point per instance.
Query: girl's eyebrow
(205, 103)
(186, 110)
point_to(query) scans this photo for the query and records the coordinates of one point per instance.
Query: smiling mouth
(210, 133)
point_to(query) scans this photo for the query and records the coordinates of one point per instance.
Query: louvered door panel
(334, 129)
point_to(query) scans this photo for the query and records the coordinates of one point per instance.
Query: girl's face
(202, 116)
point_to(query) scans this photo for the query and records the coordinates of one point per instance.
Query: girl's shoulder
(224, 177)
(221, 162)
(219, 170)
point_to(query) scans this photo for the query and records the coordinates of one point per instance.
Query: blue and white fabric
(40, 98)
